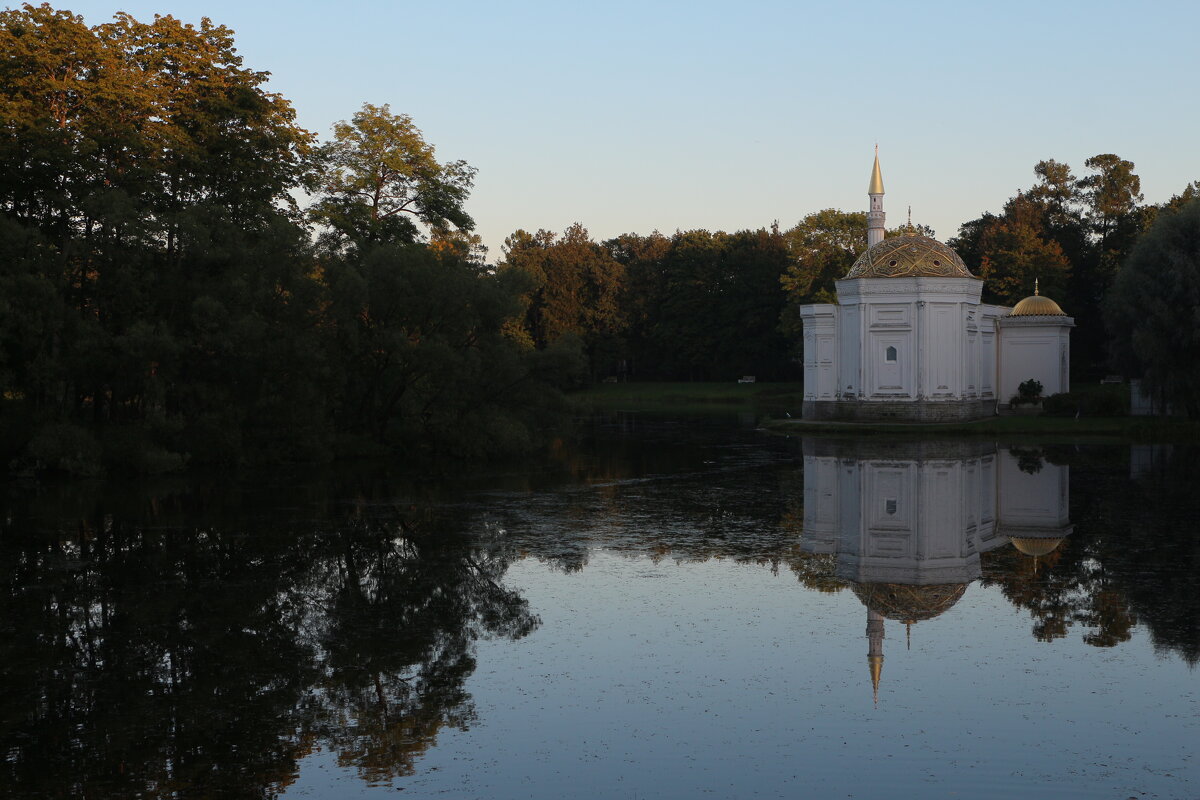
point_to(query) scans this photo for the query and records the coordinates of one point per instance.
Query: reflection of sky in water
(673, 661)
(677, 680)
(664, 611)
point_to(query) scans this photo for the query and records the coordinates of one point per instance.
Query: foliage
(65, 448)
(161, 295)
(1030, 390)
(573, 289)
(698, 305)
(1070, 233)
(1063, 404)
(1015, 256)
(379, 177)
(822, 248)
(1152, 309)
(1099, 401)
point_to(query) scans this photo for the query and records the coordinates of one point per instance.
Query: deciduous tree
(381, 178)
(1151, 309)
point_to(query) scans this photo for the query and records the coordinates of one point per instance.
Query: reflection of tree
(1028, 459)
(1132, 559)
(206, 661)
(399, 641)
(1160, 567)
(149, 662)
(813, 570)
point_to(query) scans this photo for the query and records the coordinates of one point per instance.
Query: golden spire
(876, 176)
(875, 649)
(1035, 287)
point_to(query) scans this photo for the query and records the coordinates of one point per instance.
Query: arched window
(889, 355)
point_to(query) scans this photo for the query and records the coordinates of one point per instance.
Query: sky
(631, 117)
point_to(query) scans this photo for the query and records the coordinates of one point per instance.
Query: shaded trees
(1151, 311)
(574, 288)
(1071, 233)
(1014, 255)
(145, 188)
(162, 298)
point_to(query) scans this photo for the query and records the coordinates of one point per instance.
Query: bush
(131, 449)
(1030, 391)
(1111, 402)
(1060, 405)
(62, 447)
(1106, 401)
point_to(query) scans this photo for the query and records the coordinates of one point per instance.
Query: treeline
(163, 298)
(712, 306)
(697, 305)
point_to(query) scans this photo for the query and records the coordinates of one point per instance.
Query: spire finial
(910, 218)
(1035, 287)
(876, 186)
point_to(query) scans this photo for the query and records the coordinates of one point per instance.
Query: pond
(656, 608)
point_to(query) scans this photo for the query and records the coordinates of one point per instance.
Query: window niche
(890, 355)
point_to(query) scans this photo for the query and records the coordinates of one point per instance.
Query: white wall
(1037, 348)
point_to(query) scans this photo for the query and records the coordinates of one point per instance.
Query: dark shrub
(1030, 391)
(1060, 405)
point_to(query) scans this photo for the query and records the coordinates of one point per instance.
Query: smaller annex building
(910, 340)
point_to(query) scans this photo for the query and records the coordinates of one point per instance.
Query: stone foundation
(898, 410)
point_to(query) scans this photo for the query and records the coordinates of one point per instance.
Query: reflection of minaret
(875, 215)
(906, 522)
(875, 648)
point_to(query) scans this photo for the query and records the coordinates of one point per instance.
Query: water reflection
(208, 660)
(200, 640)
(907, 522)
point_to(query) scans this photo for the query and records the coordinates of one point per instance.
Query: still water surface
(659, 609)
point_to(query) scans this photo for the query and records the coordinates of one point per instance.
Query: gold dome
(905, 603)
(909, 255)
(1035, 547)
(1037, 306)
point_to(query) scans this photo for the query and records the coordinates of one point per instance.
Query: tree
(574, 290)
(1151, 309)
(381, 177)
(822, 247)
(1013, 255)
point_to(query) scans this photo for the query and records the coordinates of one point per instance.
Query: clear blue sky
(636, 116)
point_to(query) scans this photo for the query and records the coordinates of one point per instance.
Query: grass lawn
(1099, 429)
(773, 401)
(691, 397)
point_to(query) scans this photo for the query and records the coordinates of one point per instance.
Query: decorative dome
(909, 255)
(905, 603)
(1035, 547)
(1037, 306)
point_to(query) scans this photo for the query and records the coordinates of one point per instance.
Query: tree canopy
(1152, 310)
(380, 177)
(164, 302)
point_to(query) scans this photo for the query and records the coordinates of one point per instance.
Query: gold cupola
(1037, 306)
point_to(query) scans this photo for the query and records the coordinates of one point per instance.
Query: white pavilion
(909, 339)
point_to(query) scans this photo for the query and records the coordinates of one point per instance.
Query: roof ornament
(1035, 288)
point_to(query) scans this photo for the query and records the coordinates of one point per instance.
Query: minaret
(875, 649)
(875, 215)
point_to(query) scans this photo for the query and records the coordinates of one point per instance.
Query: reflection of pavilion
(907, 521)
